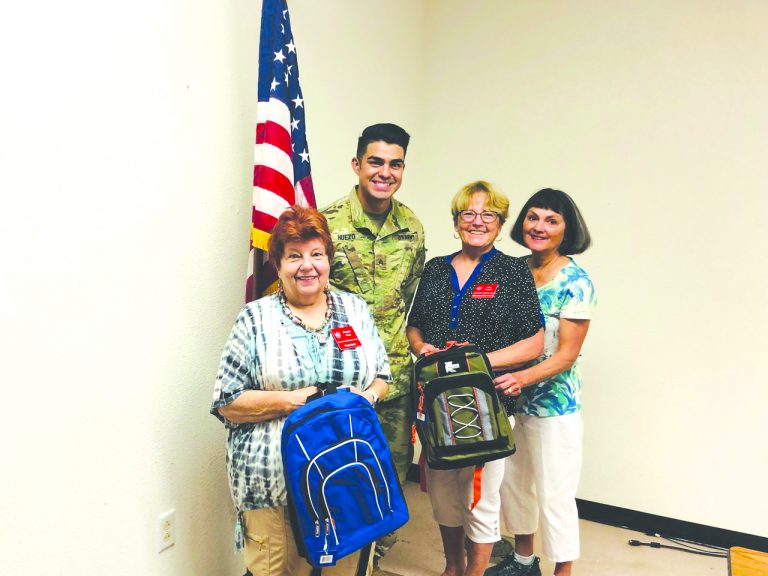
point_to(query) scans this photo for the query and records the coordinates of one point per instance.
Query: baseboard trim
(671, 527)
(653, 524)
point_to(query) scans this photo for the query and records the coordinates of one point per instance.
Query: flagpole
(256, 288)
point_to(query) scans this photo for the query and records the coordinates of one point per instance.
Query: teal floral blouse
(569, 295)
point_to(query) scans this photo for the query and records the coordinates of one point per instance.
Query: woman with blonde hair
(485, 297)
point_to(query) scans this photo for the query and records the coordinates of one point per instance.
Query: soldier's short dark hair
(576, 238)
(389, 133)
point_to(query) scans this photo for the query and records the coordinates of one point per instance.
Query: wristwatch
(375, 396)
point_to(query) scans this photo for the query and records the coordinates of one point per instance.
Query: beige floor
(604, 550)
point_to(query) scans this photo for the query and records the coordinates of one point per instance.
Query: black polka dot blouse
(496, 307)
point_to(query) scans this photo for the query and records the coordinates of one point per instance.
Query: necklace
(543, 266)
(541, 274)
(319, 331)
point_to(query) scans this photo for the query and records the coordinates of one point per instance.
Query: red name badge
(484, 291)
(345, 337)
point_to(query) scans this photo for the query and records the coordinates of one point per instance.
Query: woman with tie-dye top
(279, 348)
(541, 478)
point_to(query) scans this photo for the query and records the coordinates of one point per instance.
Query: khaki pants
(270, 549)
(396, 424)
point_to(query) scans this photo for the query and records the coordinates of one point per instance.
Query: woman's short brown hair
(299, 224)
(576, 238)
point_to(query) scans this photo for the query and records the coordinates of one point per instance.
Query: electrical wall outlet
(166, 524)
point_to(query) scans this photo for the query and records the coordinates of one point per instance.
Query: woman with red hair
(279, 348)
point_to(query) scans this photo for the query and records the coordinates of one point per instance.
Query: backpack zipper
(329, 521)
(313, 463)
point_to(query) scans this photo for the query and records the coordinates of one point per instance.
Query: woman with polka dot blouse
(485, 297)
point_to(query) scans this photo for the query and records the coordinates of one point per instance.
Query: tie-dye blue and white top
(570, 294)
(266, 350)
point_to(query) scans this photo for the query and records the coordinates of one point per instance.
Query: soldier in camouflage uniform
(380, 256)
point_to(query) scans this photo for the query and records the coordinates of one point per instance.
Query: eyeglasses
(470, 215)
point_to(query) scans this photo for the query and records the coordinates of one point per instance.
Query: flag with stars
(281, 171)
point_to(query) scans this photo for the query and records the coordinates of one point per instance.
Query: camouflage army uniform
(384, 269)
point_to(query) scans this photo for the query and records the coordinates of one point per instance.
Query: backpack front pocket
(346, 488)
(462, 414)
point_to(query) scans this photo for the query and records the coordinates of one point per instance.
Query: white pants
(450, 492)
(541, 479)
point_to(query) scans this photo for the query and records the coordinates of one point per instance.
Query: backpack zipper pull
(317, 528)
(420, 411)
(327, 526)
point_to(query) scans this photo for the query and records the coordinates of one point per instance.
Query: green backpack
(459, 416)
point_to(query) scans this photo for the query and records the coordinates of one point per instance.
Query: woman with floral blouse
(548, 431)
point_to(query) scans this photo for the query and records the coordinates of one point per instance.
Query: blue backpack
(343, 491)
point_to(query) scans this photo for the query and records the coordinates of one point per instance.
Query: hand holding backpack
(459, 416)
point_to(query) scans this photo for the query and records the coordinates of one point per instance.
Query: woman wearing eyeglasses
(483, 296)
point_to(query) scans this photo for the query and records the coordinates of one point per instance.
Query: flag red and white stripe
(281, 171)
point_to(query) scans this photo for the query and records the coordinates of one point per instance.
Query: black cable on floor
(690, 550)
(688, 543)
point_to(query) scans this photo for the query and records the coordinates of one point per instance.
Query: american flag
(281, 171)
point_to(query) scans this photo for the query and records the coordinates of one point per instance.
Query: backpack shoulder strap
(323, 388)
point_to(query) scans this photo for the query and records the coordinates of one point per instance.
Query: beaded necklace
(321, 337)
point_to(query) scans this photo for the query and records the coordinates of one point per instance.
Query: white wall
(652, 115)
(127, 133)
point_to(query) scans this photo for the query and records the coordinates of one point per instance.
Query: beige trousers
(270, 549)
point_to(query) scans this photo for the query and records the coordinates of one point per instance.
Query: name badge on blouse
(345, 337)
(484, 291)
